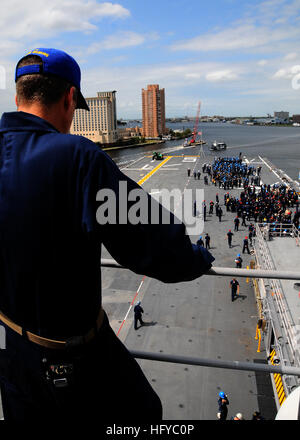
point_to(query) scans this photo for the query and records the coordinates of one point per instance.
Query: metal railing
(231, 365)
(235, 365)
(281, 230)
(285, 179)
(264, 260)
(229, 271)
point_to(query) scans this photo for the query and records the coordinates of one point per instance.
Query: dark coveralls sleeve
(50, 239)
(161, 251)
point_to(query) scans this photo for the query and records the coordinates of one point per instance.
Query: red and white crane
(195, 132)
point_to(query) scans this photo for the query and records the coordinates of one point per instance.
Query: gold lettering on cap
(38, 52)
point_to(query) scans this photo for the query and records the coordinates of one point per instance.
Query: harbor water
(281, 145)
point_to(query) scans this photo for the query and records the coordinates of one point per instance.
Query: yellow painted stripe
(282, 400)
(280, 392)
(279, 386)
(278, 381)
(143, 180)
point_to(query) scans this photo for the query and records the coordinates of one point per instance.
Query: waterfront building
(100, 123)
(129, 132)
(154, 119)
(296, 118)
(283, 116)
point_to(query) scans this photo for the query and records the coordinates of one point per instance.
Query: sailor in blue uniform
(138, 317)
(223, 402)
(238, 261)
(246, 245)
(62, 359)
(200, 241)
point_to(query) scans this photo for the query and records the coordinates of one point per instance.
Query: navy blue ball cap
(58, 63)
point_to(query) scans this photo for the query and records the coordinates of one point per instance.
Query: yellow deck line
(140, 182)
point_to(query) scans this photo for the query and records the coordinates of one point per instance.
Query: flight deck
(194, 318)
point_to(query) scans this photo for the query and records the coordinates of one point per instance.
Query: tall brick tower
(154, 118)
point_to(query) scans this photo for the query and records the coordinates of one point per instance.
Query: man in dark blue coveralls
(138, 310)
(62, 359)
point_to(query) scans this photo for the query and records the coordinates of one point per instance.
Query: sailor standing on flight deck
(200, 241)
(235, 288)
(138, 310)
(229, 238)
(207, 241)
(246, 245)
(223, 402)
(236, 223)
(204, 210)
(238, 261)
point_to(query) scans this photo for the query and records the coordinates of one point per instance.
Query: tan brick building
(154, 118)
(129, 132)
(100, 123)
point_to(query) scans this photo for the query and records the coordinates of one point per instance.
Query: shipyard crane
(195, 132)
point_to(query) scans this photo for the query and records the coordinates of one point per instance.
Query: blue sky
(236, 57)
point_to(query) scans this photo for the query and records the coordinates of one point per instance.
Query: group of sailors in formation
(262, 203)
(229, 173)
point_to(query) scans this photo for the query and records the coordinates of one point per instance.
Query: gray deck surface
(196, 318)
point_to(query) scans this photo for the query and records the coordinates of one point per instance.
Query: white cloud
(243, 36)
(269, 31)
(291, 56)
(192, 75)
(271, 25)
(118, 40)
(182, 82)
(8, 47)
(24, 25)
(286, 73)
(273, 12)
(39, 19)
